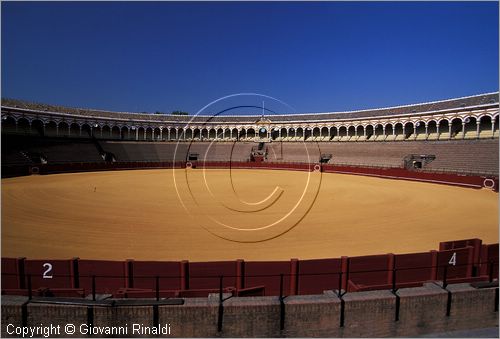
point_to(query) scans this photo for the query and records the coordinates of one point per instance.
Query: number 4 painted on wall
(453, 259)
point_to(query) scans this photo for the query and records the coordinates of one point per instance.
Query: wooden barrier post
(434, 265)
(294, 268)
(93, 287)
(445, 273)
(391, 262)
(345, 273)
(157, 288)
(30, 293)
(76, 273)
(240, 274)
(184, 275)
(129, 273)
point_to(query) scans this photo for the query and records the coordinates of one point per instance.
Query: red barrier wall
(457, 262)
(10, 273)
(110, 275)
(267, 273)
(312, 278)
(370, 270)
(205, 275)
(401, 173)
(144, 274)
(50, 273)
(489, 260)
(299, 277)
(414, 267)
(475, 243)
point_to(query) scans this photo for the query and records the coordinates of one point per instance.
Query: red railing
(461, 261)
(465, 180)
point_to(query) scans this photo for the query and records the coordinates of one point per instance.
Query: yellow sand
(137, 214)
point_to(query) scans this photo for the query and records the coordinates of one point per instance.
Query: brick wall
(422, 310)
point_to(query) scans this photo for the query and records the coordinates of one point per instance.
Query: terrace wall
(407, 312)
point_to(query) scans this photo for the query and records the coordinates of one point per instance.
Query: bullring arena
(111, 224)
(355, 219)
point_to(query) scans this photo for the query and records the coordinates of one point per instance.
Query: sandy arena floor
(138, 214)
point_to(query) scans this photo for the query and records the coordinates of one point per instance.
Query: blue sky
(321, 56)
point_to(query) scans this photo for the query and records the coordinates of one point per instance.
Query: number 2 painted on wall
(453, 259)
(47, 271)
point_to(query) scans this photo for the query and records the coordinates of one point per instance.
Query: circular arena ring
(137, 214)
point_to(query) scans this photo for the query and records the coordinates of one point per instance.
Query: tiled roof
(490, 99)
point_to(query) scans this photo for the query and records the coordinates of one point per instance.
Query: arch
(23, 126)
(432, 130)
(105, 132)
(141, 133)
(262, 132)
(470, 128)
(157, 134)
(63, 129)
(37, 127)
(389, 132)
(379, 132)
(51, 129)
(485, 127)
(409, 130)
(444, 129)
(181, 134)
(421, 133)
(343, 133)
(9, 125)
(324, 133)
(351, 132)
(316, 132)
(172, 134)
(299, 132)
(197, 134)
(456, 131)
(188, 134)
(86, 131)
(125, 133)
(115, 132)
(273, 133)
(399, 134)
(369, 131)
(227, 133)
(234, 134)
(284, 133)
(149, 133)
(360, 133)
(204, 134)
(212, 134)
(334, 133)
(250, 133)
(220, 133)
(308, 133)
(74, 130)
